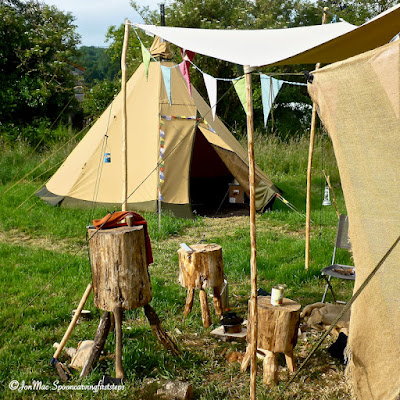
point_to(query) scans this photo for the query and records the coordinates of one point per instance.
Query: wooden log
(217, 301)
(69, 351)
(189, 302)
(119, 369)
(99, 341)
(278, 325)
(119, 268)
(175, 390)
(158, 330)
(205, 311)
(201, 268)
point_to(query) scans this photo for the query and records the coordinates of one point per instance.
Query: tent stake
(253, 257)
(124, 121)
(309, 166)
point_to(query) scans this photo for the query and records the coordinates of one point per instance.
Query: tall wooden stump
(121, 282)
(277, 333)
(200, 269)
(119, 268)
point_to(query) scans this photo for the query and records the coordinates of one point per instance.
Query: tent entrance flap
(209, 176)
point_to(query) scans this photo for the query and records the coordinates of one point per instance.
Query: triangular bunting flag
(240, 87)
(166, 72)
(269, 90)
(211, 86)
(187, 56)
(146, 60)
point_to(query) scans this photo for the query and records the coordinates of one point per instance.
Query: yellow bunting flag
(146, 60)
(240, 87)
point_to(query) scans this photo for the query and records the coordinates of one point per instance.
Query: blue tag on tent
(107, 157)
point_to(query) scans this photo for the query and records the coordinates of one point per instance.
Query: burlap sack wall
(359, 104)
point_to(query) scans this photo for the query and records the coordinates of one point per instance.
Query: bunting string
(269, 86)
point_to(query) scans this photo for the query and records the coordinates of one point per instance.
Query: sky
(94, 17)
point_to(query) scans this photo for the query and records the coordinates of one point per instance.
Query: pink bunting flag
(187, 56)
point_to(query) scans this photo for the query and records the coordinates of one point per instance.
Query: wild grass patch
(37, 240)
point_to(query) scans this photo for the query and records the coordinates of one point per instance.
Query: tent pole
(253, 257)
(124, 118)
(309, 166)
(159, 213)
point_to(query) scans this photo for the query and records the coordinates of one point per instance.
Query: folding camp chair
(339, 270)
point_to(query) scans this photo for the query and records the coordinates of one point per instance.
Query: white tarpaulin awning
(300, 45)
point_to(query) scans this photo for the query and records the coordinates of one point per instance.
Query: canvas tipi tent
(175, 151)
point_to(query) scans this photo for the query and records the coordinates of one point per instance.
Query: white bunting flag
(166, 72)
(211, 86)
(269, 90)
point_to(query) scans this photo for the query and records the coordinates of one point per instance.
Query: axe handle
(73, 321)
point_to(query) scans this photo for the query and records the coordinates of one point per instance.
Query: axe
(62, 370)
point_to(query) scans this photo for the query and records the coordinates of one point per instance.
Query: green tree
(358, 11)
(98, 64)
(36, 42)
(99, 96)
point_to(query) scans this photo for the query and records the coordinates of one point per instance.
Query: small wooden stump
(200, 269)
(277, 333)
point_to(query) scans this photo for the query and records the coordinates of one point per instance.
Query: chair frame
(342, 242)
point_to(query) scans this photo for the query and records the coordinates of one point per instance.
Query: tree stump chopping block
(199, 269)
(120, 276)
(119, 268)
(121, 282)
(277, 333)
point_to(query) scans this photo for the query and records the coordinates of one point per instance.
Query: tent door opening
(209, 177)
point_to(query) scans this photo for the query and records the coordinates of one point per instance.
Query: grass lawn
(45, 269)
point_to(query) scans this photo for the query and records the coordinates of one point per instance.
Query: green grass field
(44, 270)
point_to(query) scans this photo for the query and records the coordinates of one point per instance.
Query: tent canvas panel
(84, 179)
(179, 138)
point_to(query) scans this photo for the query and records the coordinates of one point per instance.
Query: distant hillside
(97, 64)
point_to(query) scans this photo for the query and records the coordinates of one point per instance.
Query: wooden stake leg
(290, 361)
(246, 360)
(158, 330)
(189, 302)
(119, 370)
(205, 311)
(270, 368)
(217, 301)
(99, 341)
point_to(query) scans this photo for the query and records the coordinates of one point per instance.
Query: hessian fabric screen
(358, 102)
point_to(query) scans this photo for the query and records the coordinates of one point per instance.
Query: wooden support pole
(270, 368)
(253, 255)
(124, 118)
(309, 166)
(119, 369)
